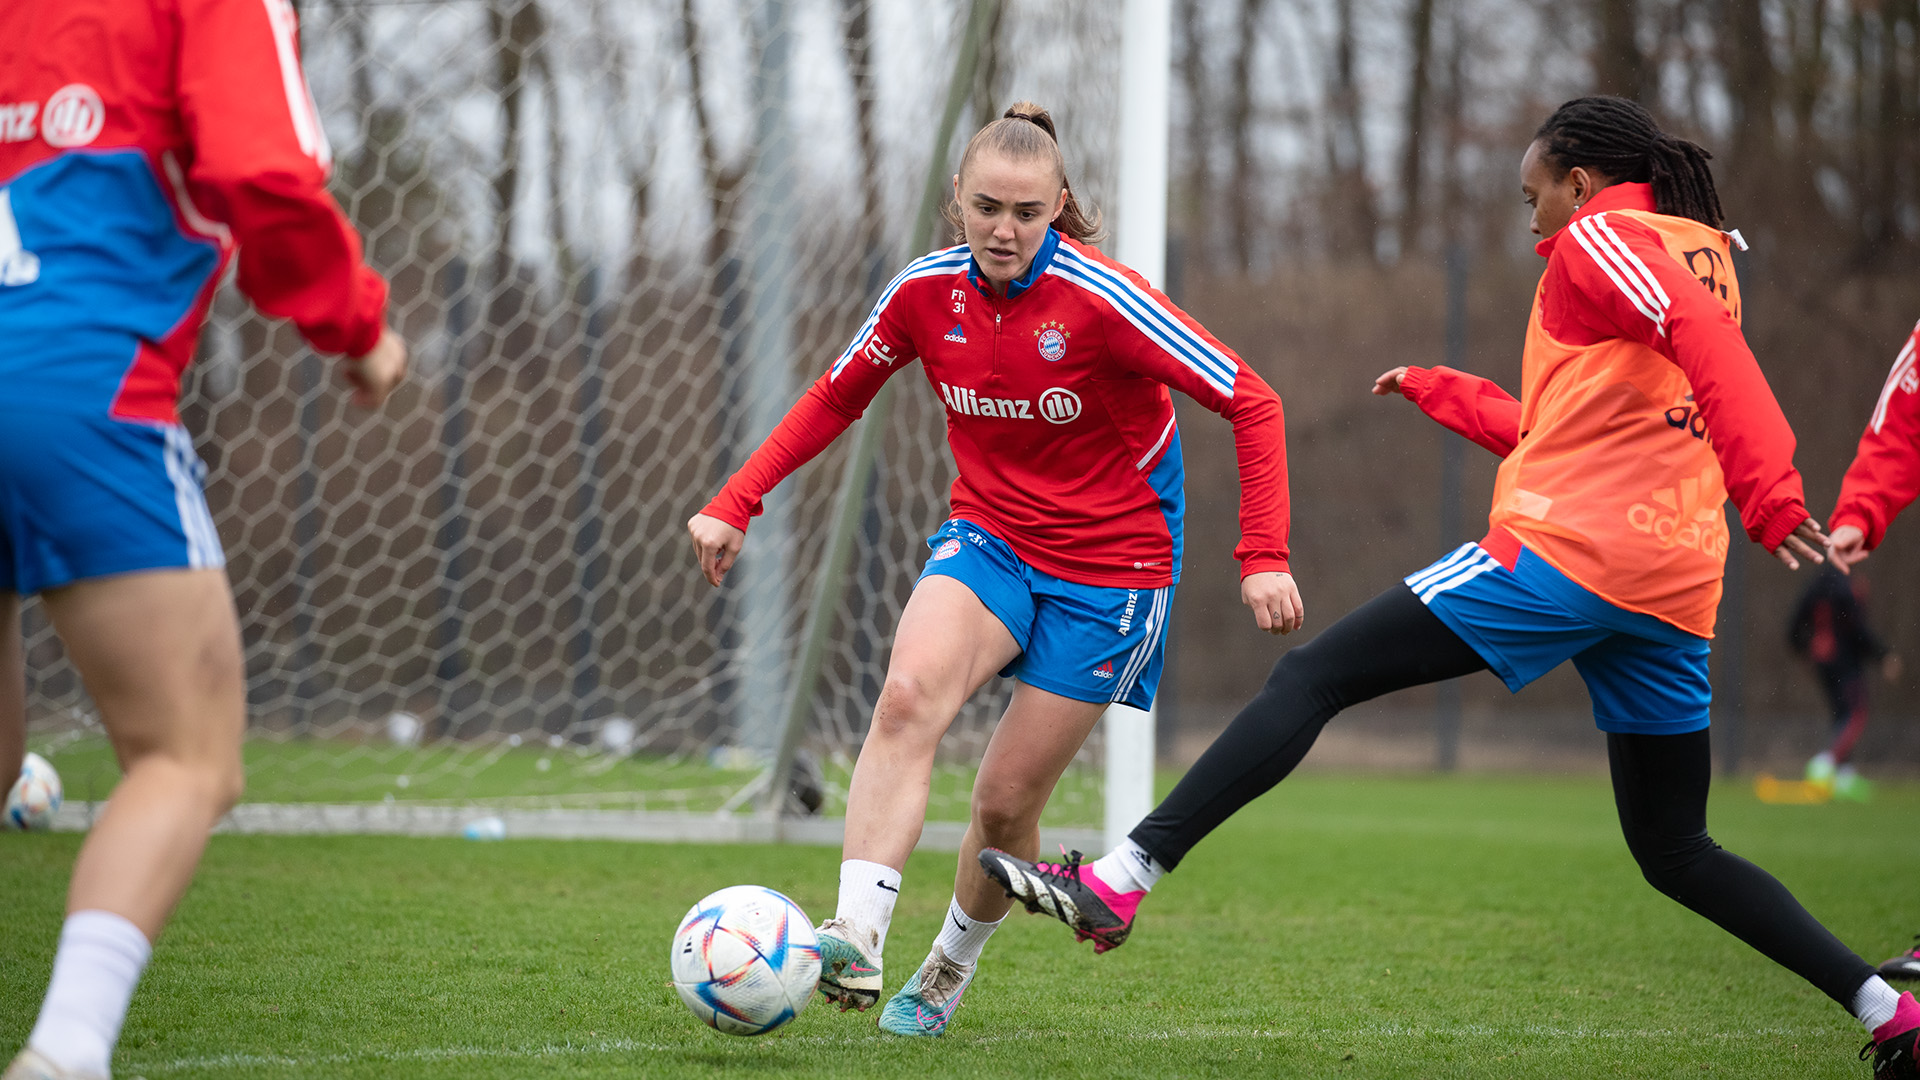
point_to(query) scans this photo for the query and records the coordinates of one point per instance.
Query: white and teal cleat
(926, 1003)
(849, 966)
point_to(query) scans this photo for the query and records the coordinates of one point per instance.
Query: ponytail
(1619, 140)
(1025, 132)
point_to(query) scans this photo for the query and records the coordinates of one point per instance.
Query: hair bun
(1033, 114)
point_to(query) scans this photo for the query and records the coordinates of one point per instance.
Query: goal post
(1140, 241)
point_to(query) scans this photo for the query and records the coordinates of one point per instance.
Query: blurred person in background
(145, 145)
(1830, 630)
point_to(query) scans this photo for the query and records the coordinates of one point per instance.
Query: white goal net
(623, 235)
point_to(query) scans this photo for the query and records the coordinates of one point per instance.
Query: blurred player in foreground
(1881, 482)
(1057, 564)
(1641, 410)
(143, 145)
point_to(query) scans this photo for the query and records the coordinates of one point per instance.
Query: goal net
(622, 237)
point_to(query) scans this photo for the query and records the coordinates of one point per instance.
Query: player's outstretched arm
(1467, 404)
(1885, 475)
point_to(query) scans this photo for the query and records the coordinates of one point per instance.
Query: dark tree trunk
(1412, 160)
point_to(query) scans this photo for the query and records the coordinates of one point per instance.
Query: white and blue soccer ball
(745, 960)
(35, 797)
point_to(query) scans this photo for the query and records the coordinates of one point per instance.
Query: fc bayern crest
(1053, 341)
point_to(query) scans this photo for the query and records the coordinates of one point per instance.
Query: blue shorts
(1086, 642)
(88, 496)
(1645, 676)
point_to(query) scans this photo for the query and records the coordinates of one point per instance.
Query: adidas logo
(957, 335)
(1104, 671)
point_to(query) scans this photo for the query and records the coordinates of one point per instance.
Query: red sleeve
(260, 164)
(1616, 280)
(829, 407)
(1156, 339)
(1468, 404)
(1885, 475)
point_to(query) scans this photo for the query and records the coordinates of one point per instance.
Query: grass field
(1342, 926)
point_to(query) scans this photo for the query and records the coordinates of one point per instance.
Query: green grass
(1342, 926)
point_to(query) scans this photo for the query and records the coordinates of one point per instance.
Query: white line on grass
(625, 1046)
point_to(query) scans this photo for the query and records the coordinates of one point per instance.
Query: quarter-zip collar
(1041, 260)
(1627, 196)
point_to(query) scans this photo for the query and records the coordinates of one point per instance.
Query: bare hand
(1275, 601)
(1847, 545)
(1806, 542)
(1389, 383)
(716, 544)
(374, 375)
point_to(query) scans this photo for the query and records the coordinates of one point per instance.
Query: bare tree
(1619, 67)
(1357, 215)
(517, 28)
(1241, 215)
(1419, 90)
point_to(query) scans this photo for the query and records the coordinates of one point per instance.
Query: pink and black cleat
(1904, 966)
(1895, 1044)
(1068, 892)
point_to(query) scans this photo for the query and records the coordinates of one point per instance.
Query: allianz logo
(1057, 406)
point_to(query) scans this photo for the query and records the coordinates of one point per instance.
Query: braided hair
(1619, 140)
(1025, 132)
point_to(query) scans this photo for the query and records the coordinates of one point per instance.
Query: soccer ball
(745, 960)
(35, 797)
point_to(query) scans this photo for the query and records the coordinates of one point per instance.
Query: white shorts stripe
(1468, 574)
(1443, 567)
(196, 521)
(1143, 653)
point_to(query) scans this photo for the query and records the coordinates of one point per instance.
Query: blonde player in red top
(1058, 562)
(1641, 410)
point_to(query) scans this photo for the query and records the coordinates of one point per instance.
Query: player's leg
(1850, 724)
(1031, 747)
(947, 644)
(1390, 643)
(159, 653)
(1833, 686)
(1660, 785)
(13, 692)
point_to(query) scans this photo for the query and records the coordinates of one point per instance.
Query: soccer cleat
(1894, 1052)
(927, 1002)
(849, 972)
(1096, 912)
(1904, 966)
(31, 1066)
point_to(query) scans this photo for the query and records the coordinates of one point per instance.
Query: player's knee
(226, 782)
(1004, 818)
(907, 708)
(1666, 860)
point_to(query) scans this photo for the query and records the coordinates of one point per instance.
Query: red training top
(1885, 475)
(1641, 409)
(143, 143)
(1057, 412)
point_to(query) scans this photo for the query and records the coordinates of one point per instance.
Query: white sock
(1875, 1003)
(962, 936)
(868, 891)
(98, 964)
(1128, 868)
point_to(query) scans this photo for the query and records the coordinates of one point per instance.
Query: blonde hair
(1025, 132)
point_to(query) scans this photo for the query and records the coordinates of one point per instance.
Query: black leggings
(1659, 782)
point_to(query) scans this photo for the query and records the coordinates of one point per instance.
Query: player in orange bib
(1641, 410)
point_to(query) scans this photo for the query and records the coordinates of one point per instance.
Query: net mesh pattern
(622, 238)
